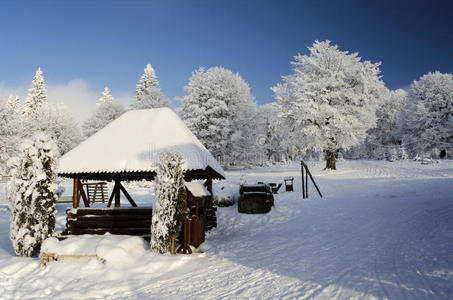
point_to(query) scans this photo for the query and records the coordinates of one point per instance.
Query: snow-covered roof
(134, 142)
(197, 189)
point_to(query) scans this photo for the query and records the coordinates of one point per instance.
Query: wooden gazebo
(129, 149)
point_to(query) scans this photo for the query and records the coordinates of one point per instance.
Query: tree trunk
(443, 153)
(331, 159)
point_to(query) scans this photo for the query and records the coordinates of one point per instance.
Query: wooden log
(110, 224)
(113, 217)
(120, 231)
(116, 211)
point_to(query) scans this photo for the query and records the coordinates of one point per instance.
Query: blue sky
(108, 43)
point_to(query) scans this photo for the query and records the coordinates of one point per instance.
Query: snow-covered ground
(382, 230)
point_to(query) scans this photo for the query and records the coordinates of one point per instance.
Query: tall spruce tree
(37, 95)
(168, 212)
(148, 92)
(32, 195)
(107, 110)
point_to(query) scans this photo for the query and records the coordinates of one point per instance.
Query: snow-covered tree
(330, 100)
(14, 104)
(148, 92)
(58, 123)
(427, 122)
(10, 133)
(32, 195)
(168, 212)
(383, 141)
(107, 110)
(273, 137)
(106, 96)
(37, 95)
(219, 109)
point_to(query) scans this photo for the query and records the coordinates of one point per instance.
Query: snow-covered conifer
(32, 195)
(106, 96)
(427, 122)
(107, 110)
(37, 95)
(14, 104)
(330, 100)
(219, 109)
(148, 93)
(168, 211)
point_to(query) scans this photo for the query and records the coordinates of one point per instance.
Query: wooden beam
(82, 193)
(117, 194)
(111, 196)
(75, 193)
(127, 195)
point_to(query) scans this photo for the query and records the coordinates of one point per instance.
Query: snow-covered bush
(168, 211)
(427, 122)
(148, 92)
(32, 195)
(107, 110)
(330, 100)
(219, 109)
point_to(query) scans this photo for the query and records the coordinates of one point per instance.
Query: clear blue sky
(108, 43)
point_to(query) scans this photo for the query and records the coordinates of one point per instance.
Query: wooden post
(82, 193)
(75, 193)
(117, 194)
(121, 187)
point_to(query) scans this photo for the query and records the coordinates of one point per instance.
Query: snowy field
(382, 230)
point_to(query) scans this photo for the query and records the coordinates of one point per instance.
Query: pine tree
(219, 109)
(148, 92)
(107, 110)
(32, 195)
(330, 100)
(14, 104)
(37, 95)
(168, 212)
(106, 96)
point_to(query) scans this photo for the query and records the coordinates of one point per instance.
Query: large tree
(219, 109)
(37, 95)
(427, 123)
(107, 110)
(330, 100)
(148, 92)
(32, 195)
